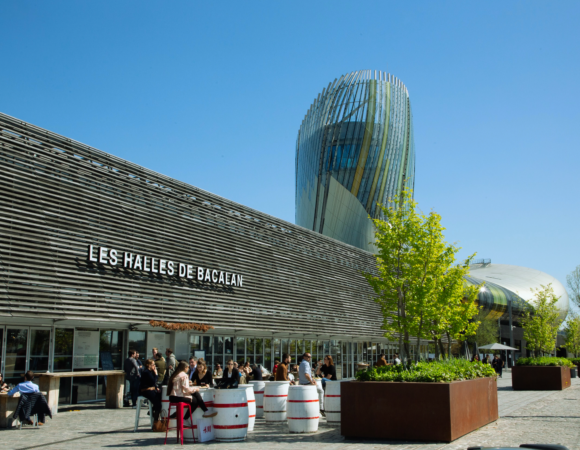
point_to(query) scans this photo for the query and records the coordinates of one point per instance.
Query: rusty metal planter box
(540, 378)
(417, 411)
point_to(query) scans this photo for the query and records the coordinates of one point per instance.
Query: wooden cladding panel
(60, 195)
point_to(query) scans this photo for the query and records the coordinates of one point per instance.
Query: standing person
(149, 389)
(397, 360)
(171, 364)
(382, 361)
(161, 367)
(497, 365)
(154, 352)
(192, 366)
(231, 377)
(475, 358)
(282, 370)
(181, 392)
(139, 363)
(327, 370)
(133, 375)
(202, 376)
(305, 378)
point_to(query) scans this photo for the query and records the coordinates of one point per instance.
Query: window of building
(138, 342)
(16, 344)
(39, 350)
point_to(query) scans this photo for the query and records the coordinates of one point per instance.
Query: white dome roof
(520, 280)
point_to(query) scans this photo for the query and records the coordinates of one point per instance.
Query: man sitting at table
(31, 401)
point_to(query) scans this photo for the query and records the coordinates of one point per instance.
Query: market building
(92, 248)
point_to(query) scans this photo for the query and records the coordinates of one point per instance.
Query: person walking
(497, 365)
(133, 375)
(305, 378)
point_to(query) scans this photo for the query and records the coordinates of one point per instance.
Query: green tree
(487, 332)
(572, 330)
(541, 324)
(421, 291)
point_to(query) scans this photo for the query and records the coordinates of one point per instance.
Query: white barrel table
(332, 402)
(207, 396)
(231, 422)
(251, 404)
(275, 395)
(303, 410)
(259, 387)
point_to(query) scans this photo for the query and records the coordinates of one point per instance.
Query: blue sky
(213, 94)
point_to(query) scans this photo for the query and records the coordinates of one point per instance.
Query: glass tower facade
(355, 149)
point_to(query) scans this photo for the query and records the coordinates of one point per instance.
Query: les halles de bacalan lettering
(112, 257)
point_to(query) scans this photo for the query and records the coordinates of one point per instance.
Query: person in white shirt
(27, 386)
(397, 360)
(305, 378)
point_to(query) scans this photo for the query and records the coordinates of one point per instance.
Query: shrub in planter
(545, 373)
(439, 401)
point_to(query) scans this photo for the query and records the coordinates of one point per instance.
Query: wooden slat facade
(58, 196)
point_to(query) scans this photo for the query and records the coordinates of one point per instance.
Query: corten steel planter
(417, 411)
(540, 378)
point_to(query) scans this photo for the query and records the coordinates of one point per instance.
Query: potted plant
(423, 296)
(541, 374)
(436, 401)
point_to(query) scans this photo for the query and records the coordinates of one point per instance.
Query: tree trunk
(437, 350)
(440, 346)
(448, 346)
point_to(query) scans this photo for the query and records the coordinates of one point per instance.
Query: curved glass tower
(355, 148)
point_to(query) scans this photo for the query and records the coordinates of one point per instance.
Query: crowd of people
(184, 379)
(496, 362)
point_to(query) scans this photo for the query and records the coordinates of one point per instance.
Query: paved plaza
(525, 417)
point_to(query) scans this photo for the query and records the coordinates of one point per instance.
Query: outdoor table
(8, 405)
(50, 382)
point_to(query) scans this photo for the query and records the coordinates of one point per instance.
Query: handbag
(159, 426)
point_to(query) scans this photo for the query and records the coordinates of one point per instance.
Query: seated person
(218, 372)
(33, 407)
(180, 391)
(27, 386)
(148, 387)
(256, 373)
(3, 386)
(231, 377)
(202, 376)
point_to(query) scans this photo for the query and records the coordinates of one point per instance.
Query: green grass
(429, 372)
(545, 361)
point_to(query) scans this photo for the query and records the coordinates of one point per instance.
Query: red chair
(180, 426)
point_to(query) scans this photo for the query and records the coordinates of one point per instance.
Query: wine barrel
(251, 404)
(303, 409)
(332, 402)
(231, 422)
(207, 396)
(259, 387)
(275, 395)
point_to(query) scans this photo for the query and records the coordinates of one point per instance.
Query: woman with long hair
(231, 377)
(327, 370)
(202, 376)
(148, 387)
(181, 392)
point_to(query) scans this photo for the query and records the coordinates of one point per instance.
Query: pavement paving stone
(525, 417)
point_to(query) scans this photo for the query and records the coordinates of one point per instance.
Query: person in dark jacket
(202, 376)
(256, 373)
(133, 375)
(148, 387)
(497, 365)
(231, 377)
